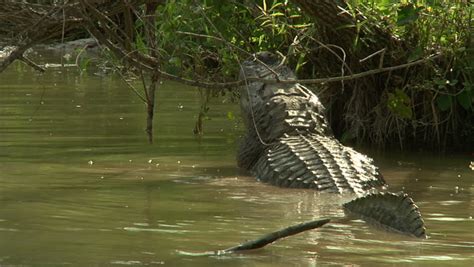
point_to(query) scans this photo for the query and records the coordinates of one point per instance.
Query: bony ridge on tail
(289, 143)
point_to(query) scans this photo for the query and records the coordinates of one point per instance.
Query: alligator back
(318, 162)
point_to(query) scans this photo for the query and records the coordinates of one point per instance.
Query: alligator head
(274, 109)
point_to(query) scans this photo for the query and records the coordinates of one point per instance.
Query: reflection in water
(79, 185)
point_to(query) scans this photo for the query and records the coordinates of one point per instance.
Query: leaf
(444, 102)
(299, 26)
(84, 63)
(435, 3)
(140, 44)
(265, 22)
(260, 39)
(405, 112)
(465, 99)
(347, 137)
(452, 82)
(176, 61)
(408, 14)
(301, 62)
(277, 14)
(415, 54)
(230, 116)
(276, 5)
(399, 103)
(401, 95)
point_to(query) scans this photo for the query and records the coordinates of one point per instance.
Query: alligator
(289, 143)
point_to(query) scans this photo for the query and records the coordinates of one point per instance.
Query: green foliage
(466, 97)
(444, 102)
(250, 27)
(441, 93)
(400, 104)
(230, 116)
(206, 40)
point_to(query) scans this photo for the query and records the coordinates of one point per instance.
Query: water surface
(79, 185)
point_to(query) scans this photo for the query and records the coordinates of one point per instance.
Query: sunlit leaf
(301, 62)
(83, 64)
(275, 6)
(176, 61)
(230, 116)
(400, 104)
(277, 14)
(402, 96)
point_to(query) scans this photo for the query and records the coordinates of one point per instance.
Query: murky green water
(80, 186)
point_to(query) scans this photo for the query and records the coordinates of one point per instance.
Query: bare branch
(272, 237)
(222, 85)
(32, 64)
(16, 53)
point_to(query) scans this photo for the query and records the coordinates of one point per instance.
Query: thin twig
(373, 54)
(78, 57)
(132, 88)
(231, 46)
(63, 30)
(32, 64)
(301, 81)
(16, 53)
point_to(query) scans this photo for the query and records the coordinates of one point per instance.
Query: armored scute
(289, 143)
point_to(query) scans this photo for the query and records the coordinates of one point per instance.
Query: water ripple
(448, 219)
(137, 229)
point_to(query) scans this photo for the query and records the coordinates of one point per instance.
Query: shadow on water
(79, 185)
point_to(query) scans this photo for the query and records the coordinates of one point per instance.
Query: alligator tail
(393, 212)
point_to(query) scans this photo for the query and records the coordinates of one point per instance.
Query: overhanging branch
(222, 85)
